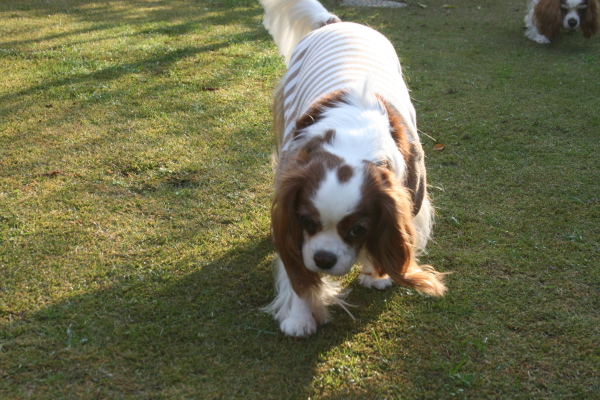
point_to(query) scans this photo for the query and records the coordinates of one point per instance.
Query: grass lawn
(135, 186)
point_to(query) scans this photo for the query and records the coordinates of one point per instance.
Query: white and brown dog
(350, 179)
(546, 18)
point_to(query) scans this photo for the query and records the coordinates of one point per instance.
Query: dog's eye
(357, 232)
(308, 224)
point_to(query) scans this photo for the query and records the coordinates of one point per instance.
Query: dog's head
(332, 203)
(553, 15)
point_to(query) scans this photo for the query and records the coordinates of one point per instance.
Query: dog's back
(324, 54)
(338, 56)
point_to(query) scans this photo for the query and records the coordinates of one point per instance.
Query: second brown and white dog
(546, 18)
(350, 180)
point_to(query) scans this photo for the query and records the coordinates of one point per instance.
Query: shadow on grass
(144, 19)
(155, 333)
(104, 16)
(114, 72)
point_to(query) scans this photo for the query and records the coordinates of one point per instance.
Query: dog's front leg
(300, 321)
(294, 314)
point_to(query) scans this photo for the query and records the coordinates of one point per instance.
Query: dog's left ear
(391, 246)
(589, 23)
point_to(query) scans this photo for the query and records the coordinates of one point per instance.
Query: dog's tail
(288, 21)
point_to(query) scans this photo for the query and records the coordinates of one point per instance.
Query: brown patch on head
(344, 173)
(355, 228)
(315, 112)
(308, 215)
(313, 150)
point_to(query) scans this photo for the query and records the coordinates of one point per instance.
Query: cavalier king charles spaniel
(546, 18)
(350, 177)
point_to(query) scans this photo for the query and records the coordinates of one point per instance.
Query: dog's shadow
(154, 333)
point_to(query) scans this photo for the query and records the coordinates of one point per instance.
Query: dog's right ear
(548, 18)
(589, 23)
(287, 233)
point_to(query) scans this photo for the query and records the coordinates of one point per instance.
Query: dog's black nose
(572, 22)
(325, 259)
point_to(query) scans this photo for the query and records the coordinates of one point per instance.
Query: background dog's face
(551, 16)
(573, 12)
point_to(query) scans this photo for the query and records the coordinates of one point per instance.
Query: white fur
(288, 21)
(333, 200)
(423, 224)
(299, 317)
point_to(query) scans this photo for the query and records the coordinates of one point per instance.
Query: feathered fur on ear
(287, 232)
(589, 22)
(391, 248)
(547, 17)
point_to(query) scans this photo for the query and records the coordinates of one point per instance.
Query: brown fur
(589, 22)
(416, 179)
(548, 18)
(391, 242)
(287, 231)
(315, 112)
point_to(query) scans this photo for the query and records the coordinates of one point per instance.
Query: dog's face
(550, 16)
(573, 12)
(335, 220)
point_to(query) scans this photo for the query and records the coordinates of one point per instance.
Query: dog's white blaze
(334, 199)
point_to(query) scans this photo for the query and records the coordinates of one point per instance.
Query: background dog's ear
(589, 23)
(548, 18)
(287, 234)
(391, 246)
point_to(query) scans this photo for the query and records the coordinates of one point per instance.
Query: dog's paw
(369, 282)
(298, 327)
(542, 39)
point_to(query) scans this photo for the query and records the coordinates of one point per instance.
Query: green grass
(135, 185)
